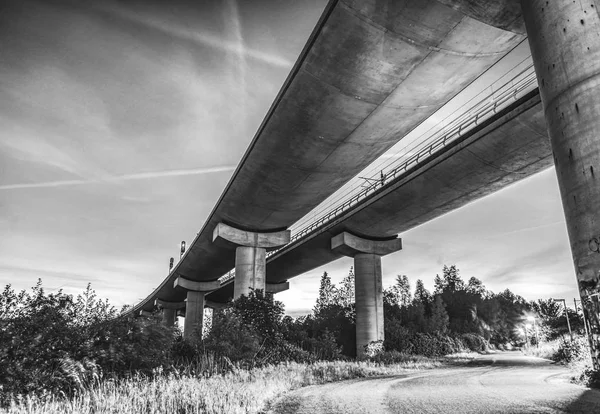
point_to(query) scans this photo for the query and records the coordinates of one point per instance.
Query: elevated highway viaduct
(370, 73)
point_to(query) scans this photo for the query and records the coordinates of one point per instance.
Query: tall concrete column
(168, 317)
(367, 281)
(250, 255)
(169, 311)
(250, 270)
(194, 304)
(194, 314)
(369, 299)
(564, 37)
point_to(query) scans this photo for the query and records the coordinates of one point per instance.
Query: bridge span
(371, 72)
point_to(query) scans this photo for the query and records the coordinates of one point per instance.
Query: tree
(416, 319)
(327, 292)
(439, 285)
(439, 320)
(231, 337)
(402, 290)
(452, 280)
(476, 287)
(344, 294)
(422, 295)
(547, 309)
(263, 314)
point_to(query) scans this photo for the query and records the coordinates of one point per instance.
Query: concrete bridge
(371, 72)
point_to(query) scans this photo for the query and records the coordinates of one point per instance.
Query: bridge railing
(484, 107)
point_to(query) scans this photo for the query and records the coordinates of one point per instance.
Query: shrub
(572, 351)
(398, 337)
(374, 349)
(50, 343)
(395, 357)
(474, 342)
(590, 378)
(230, 337)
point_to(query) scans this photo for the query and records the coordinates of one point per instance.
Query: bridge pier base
(368, 286)
(194, 304)
(563, 36)
(250, 255)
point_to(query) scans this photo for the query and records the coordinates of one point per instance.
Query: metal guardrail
(509, 92)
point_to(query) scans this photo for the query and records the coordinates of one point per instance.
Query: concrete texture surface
(250, 270)
(277, 287)
(169, 305)
(224, 233)
(196, 286)
(350, 245)
(194, 313)
(565, 46)
(169, 316)
(368, 283)
(369, 300)
(370, 72)
(509, 147)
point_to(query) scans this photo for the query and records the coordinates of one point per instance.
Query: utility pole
(567, 314)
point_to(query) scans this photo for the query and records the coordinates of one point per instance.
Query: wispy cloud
(526, 229)
(27, 144)
(238, 57)
(118, 178)
(202, 38)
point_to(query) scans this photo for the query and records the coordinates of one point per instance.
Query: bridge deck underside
(510, 147)
(370, 73)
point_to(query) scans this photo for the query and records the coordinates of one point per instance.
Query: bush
(405, 341)
(231, 338)
(398, 337)
(572, 351)
(52, 343)
(395, 357)
(374, 349)
(590, 378)
(474, 342)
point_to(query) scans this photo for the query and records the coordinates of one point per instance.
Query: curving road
(496, 383)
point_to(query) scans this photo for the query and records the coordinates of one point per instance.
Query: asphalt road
(496, 383)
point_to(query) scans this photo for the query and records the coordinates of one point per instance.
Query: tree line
(57, 343)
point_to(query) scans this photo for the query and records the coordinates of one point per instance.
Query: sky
(121, 123)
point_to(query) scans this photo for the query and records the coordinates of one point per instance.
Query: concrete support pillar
(168, 317)
(565, 45)
(369, 299)
(194, 304)
(368, 286)
(194, 314)
(250, 270)
(169, 311)
(250, 255)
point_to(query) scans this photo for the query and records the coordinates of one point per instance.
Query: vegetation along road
(496, 383)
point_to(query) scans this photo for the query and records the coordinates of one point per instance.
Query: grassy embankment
(240, 391)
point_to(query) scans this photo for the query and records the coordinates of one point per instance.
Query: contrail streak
(119, 178)
(238, 58)
(203, 38)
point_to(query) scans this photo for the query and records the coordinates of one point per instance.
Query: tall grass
(546, 350)
(240, 391)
